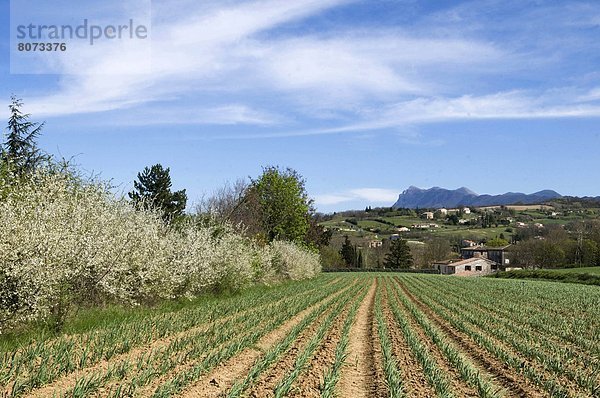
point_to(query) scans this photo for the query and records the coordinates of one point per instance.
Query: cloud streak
(370, 195)
(226, 63)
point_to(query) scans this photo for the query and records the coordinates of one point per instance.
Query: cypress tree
(399, 256)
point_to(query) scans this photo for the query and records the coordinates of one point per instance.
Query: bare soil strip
(415, 382)
(358, 374)
(549, 374)
(378, 387)
(458, 384)
(516, 385)
(308, 383)
(265, 385)
(581, 358)
(222, 378)
(234, 369)
(68, 381)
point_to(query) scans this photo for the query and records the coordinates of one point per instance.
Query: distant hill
(437, 197)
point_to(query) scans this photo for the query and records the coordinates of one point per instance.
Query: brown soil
(265, 385)
(453, 375)
(68, 381)
(559, 378)
(309, 382)
(580, 358)
(222, 378)
(378, 385)
(414, 381)
(515, 385)
(359, 371)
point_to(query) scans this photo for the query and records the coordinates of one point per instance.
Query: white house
(427, 215)
(477, 266)
(466, 210)
(443, 211)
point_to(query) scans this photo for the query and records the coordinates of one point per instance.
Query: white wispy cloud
(194, 49)
(220, 63)
(369, 195)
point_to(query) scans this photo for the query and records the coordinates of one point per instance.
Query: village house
(470, 267)
(428, 215)
(420, 226)
(500, 256)
(466, 210)
(375, 243)
(443, 211)
(403, 229)
(467, 243)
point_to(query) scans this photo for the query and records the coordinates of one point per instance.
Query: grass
(587, 276)
(86, 319)
(581, 270)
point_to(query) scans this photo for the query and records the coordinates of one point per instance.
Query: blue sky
(363, 98)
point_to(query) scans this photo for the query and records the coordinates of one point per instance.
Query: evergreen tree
(153, 190)
(399, 255)
(20, 148)
(348, 252)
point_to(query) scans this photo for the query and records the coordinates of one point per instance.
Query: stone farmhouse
(476, 266)
(499, 255)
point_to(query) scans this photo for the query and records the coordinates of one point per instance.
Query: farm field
(346, 335)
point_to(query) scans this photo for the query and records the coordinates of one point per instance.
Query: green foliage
(20, 148)
(550, 275)
(399, 255)
(284, 206)
(153, 191)
(497, 242)
(351, 255)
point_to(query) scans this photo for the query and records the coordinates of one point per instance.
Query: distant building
(469, 267)
(467, 243)
(499, 255)
(466, 210)
(443, 211)
(375, 243)
(403, 229)
(428, 215)
(521, 224)
(420, 226)
(463, 221)
(433, 226)
(538, 225)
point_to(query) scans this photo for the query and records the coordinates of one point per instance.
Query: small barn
(470, 267)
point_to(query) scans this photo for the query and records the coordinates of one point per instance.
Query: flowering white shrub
(64, 242)
(294, 262)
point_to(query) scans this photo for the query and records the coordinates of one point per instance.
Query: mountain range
(437, 197)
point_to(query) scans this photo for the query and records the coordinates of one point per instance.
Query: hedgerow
(67, 242)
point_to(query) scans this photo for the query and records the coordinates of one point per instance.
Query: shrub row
(64, 241)
(584, 278)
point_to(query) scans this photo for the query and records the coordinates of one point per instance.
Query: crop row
(40, 364)
(282, 347)
(534, 365)
(205, 350)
